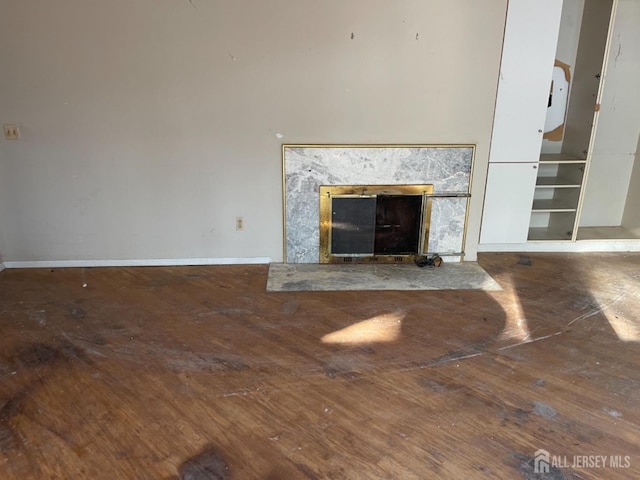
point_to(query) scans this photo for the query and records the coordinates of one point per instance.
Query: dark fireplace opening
(398, 220)
(383, 223)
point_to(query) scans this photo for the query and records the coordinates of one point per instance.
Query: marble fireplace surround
(306, 167)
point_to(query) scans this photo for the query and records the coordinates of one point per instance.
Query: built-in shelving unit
(585, 187)
(556, 197)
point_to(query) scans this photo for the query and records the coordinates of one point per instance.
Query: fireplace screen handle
(448, 195)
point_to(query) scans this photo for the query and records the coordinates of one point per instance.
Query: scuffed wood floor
(194, 373)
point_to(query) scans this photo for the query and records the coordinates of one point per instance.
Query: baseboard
(564, 247)
(2, 267)
(156, 262)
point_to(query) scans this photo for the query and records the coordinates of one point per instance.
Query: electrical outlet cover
(11, 132)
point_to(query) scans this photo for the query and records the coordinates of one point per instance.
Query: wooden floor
(194, 373)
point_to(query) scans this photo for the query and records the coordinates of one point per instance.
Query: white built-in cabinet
(584, 183)
(509, 192)
(526, 68)
(521, 106)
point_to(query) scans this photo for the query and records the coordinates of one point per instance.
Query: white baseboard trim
(2, 267)
(155, 262)
(564, 247)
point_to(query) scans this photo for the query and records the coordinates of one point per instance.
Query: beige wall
(149, 125)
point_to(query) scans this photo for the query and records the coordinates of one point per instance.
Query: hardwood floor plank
(198, 372)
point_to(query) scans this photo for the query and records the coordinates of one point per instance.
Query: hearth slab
(295, 277)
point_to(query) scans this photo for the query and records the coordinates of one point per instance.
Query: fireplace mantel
(306, 167)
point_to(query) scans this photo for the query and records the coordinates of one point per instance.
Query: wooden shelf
(556, 197)
(557, 225)
(608, 233)
(560, 158)
(548, 234)
(557, 182)
(554, 205)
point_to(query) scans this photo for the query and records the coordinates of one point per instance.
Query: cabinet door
(507, 202)
(526, 70)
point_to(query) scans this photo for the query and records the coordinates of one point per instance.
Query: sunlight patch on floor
(612, 305)
(625, 324)
(379, 329)
(516, 327)
(627, 329)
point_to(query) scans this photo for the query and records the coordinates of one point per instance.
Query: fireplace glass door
(374, 223)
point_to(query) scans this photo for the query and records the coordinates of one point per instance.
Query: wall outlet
(11, 132)
(239, 223)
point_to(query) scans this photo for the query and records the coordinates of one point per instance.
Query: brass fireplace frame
(328, 192)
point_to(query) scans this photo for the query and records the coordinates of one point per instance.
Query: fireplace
(442, 214)
(374, 223)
